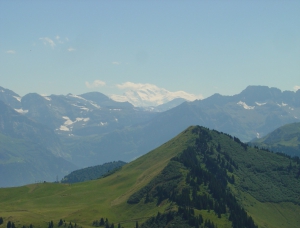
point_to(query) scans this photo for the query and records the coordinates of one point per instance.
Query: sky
(200, 47)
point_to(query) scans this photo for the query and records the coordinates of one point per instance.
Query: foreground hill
(200, 177)
(285, 139)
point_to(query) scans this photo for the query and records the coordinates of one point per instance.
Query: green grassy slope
(285, 139)
(266, 185)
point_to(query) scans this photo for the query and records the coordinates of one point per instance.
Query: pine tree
(8, 224)
(1, 220)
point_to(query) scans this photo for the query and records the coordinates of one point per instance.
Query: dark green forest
(92, 173)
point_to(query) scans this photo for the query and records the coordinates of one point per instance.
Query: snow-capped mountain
(145, 95)
(85, 114)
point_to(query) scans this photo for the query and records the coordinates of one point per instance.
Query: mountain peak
(254, 94)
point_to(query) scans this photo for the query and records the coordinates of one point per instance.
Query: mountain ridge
(285, 139)
(92, 133)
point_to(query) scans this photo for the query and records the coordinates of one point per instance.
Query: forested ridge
(92, 173)
(198, 179)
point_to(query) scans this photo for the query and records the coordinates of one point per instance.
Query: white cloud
(11, 52)
(47, 40)
(95, 84)
(58, 39)
(71, 49)
(296, 87)
(116, 63)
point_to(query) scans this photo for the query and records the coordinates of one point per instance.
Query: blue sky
(200, 47)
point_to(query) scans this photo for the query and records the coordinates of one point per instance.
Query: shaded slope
(29, 151)
(23, 162)
(19, 126)
(11, 98)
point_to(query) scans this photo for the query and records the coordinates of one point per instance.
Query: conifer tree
(60, 223)
(101, 222)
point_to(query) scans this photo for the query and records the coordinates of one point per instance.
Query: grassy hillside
(285, 139)
(265, 184)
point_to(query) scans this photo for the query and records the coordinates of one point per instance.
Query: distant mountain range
(253, 113)
(91, 129)
(86, 114)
